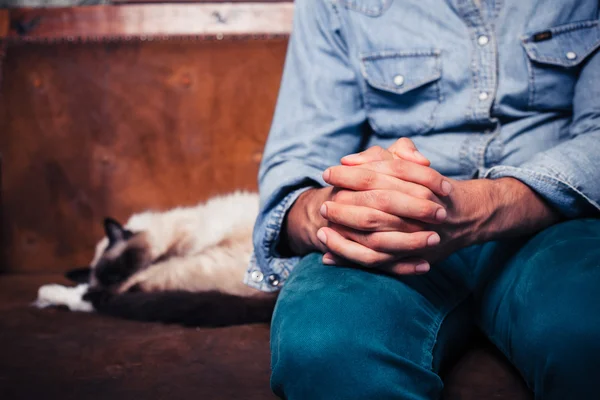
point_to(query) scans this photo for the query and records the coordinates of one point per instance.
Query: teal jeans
(343, 333)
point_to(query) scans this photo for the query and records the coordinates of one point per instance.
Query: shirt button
(398, 80)
(483, 40)
(571, 55)
(257, 276)
(483, 96)
(274, 280)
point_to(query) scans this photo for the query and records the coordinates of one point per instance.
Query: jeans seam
(433, 339)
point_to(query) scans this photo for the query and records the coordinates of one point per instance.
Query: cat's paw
(58, 295)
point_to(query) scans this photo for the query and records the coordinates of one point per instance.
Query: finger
(414, 173)
(331, 259)
(395, 203)
(375, 153)
(408, 267)
(404, 267)
(360, 178)
(351, 251)
(397, 243)
(367, 219)
(405, 149)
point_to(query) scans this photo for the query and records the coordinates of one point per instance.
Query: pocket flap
(565, 45)
(400, 72)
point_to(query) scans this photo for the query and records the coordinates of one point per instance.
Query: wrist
(504, 208)
(302, 221)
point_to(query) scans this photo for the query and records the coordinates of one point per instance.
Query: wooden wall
(111, 127)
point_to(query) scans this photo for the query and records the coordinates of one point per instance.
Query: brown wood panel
(4, 23)
(97, 129)
(149, 20)
(197, 1)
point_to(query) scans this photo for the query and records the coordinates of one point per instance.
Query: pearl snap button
(571, 55)
(274, 280)
(483, 40)
(398, 80)
(257, 276)
(483, 96)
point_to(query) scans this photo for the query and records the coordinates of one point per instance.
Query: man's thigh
(350, 333)
(542, 309)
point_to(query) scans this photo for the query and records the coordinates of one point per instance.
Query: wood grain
(4, 23)
(97, 129)
(150, 20)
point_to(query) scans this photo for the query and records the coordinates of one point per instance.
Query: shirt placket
(484, 81)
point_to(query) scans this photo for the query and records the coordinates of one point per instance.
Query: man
(387, 260)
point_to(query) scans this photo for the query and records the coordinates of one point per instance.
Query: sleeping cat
(185, 266)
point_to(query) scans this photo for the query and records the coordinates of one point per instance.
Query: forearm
(502, 208)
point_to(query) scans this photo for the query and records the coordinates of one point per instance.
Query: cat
(184, 266)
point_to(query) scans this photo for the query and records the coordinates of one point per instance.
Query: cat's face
(125, 254)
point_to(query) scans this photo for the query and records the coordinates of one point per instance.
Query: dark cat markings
(127, 254)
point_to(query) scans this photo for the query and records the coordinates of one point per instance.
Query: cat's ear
(115, 231)
(79, 275)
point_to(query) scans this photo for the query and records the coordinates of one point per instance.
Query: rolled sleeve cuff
(267, 270)
(570, 200)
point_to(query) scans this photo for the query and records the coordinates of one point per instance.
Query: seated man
(387, 261)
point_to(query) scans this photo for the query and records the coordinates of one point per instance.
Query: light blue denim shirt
(506, 88)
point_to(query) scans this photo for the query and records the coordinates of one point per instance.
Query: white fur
(212, 243)
(59, 295)
(209, 247)
(204, 225)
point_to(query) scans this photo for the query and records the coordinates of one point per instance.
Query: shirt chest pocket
(402, 91)
(555, 57)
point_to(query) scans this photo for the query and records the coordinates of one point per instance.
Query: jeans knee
(562, 355)
(300, 351)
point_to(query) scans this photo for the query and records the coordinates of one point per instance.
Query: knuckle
(398, 167)
(338, 196)
(424, 193)
(368, 180)
(405, 142)
(369, 240)
(376, 149)
(369, 258)
(381, 199)
(427, 210)
(432, 176)
(415, 242)
(369, 221)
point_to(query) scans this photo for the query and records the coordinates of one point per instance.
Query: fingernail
(350, 157)
(433, 240)
(446, 187)
(441, 215)
(323, 210)
(322, 236)
(422, 268)
(328, 260)
(419, 156)
(327, 173)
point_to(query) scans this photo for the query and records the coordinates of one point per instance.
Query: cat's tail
(210, 309)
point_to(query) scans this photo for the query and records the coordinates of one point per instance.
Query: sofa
(109, 110)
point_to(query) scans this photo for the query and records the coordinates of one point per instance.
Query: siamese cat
(183, 266)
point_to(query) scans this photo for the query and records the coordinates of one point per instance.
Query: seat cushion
(54, 353)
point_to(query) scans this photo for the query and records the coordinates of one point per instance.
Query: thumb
(405, 149)
(372, 154)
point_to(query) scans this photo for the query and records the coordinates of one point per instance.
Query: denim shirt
(486, 89)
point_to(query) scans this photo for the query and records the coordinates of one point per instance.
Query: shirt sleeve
(318, 119)
(568, 175)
